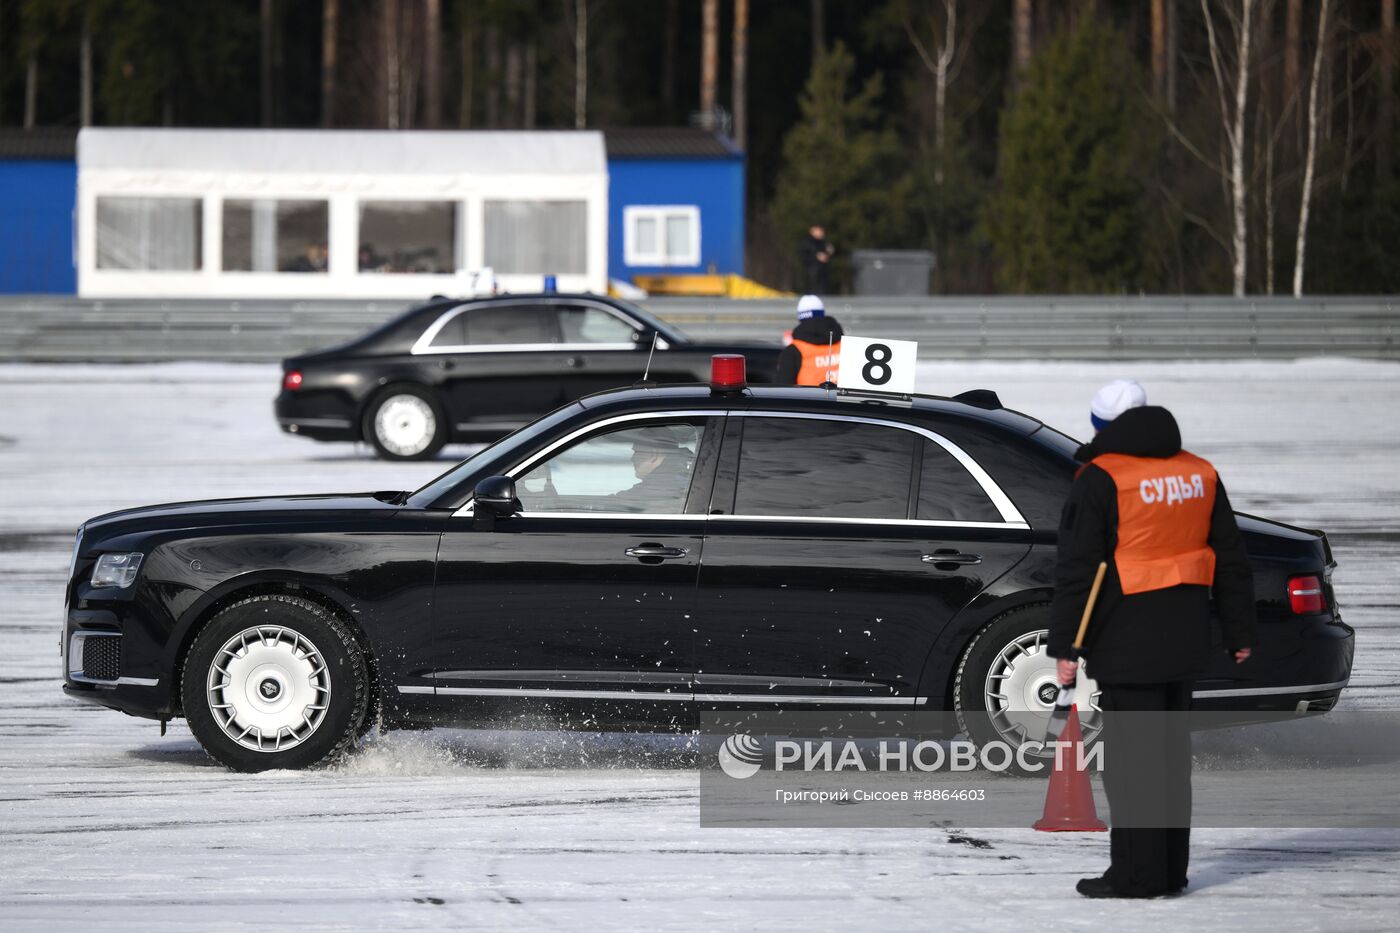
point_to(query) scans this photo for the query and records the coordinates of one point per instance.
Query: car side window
(593, 325)
(644, 469)
(823, 469)
(948, 492)
(508, 324)
(453, 333)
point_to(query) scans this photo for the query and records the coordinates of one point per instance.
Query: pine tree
(1069, 209)
(841, 166)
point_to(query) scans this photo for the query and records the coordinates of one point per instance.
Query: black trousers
(1147, 778)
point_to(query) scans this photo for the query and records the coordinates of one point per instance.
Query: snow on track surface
(104, 823)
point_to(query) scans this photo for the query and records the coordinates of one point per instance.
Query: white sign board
(877, 364)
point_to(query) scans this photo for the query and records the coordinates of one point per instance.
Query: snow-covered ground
(102, 822)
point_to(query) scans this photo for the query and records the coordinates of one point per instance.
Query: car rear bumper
(1310, 678)
(317, 415)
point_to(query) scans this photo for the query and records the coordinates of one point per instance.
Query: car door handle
(951, 557)
(655, 552)
(576, 362)
(446, 364)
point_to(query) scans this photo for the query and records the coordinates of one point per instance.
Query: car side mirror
(494, 498)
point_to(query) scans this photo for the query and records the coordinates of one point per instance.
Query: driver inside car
(663, 466)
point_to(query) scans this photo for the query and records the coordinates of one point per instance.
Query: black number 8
(877, 370)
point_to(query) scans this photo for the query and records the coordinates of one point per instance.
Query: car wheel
(275, 682)
(1006, 684)
(406, 423)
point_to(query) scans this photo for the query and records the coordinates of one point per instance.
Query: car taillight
(292, 380)
(1305, 595)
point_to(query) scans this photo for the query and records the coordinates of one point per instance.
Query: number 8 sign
(882, 365)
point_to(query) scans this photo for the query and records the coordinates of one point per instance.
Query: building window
(661, 236)
(408, 236)
(275, 236)
(536, 237)
(150, 234)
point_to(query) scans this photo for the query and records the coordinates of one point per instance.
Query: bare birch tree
(265, 18)
(432, 63)
(1021, 35)
(31, 90)
(580, 34)
(1385, 111)
(390, 12)
(1233, 126)
(85, 68)
(709, 62)
(1159, 49)
(943, 56)
(467, 43)
(1309, 166)
(330, 17)
(740, 91)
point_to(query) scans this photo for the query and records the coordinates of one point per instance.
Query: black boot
(1102, 887)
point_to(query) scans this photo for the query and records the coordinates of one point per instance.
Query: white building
(338, 213)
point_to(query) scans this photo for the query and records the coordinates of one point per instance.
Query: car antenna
(645, 382)
(828, 384)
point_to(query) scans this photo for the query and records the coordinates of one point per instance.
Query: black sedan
(638, 557)
(453, 370)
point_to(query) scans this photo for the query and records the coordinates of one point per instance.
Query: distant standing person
(814, 355)
(816, 261)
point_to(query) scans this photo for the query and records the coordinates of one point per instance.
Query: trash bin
(892, 271)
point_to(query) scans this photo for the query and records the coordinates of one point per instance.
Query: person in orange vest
(812, 354)
(1160, 518)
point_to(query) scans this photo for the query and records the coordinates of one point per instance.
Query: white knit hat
(1114, 399)
(810, 306)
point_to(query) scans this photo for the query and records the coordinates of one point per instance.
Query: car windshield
(442, 485)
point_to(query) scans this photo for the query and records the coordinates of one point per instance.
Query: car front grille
(101, 657)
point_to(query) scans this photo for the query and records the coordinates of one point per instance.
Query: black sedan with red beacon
(453, 370)
(632, 559)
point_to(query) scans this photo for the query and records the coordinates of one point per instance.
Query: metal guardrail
(44, 328)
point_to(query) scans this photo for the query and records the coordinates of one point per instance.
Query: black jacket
(1160, 635)
(818, 330)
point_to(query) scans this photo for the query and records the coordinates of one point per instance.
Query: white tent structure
(338, 213)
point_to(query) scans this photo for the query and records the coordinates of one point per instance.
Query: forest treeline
(1036, 146)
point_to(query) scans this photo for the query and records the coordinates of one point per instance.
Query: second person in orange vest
(813, 354)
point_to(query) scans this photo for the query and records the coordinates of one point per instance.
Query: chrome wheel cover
(1021, 688)
(268, 688)
(405, 425)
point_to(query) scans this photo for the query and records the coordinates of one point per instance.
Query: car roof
(980, 405)
(440, 303)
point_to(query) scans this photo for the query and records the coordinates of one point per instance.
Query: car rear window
(795, 467)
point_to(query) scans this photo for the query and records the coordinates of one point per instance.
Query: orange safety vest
(1164, 507)
(820, 363)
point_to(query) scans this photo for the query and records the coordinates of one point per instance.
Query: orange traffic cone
(1069, 804)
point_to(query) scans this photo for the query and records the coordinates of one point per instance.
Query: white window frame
(632, 256)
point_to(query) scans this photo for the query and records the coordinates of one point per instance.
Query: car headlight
(117, 570)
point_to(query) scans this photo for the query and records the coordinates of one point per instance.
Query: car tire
(405, 422)
(1006, 686)
(275, 681)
